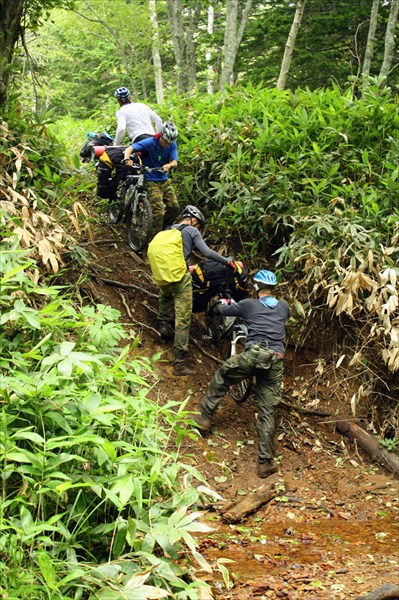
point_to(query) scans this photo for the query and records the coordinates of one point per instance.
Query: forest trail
(331, 531)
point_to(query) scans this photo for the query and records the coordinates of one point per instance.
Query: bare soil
(332, 530)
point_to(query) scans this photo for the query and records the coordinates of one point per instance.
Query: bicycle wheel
(217, 325)
(139, 223)
(242, 390)
(115, 210)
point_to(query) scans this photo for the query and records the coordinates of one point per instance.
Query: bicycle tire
(139, 226)
(216, 325)
(241, 391)
(115, 211)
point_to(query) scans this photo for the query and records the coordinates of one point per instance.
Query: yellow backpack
(166, 257)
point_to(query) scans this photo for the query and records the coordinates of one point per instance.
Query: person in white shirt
(138, 118)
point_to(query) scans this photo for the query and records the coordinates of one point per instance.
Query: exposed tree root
(388, 591)
(370, 444)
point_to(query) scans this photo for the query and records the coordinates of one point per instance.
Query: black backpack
(210, 277)
(94, 139)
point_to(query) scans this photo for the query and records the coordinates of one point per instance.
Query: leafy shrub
(89, 473)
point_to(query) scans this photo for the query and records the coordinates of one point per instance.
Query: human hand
(225, 301)
(232, 265)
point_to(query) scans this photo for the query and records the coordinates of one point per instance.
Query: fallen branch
(304, 411)
(370, 444)
(144, 326)
(204, 352)
(98, 242)
(388, 591)
(125, 304)
(127, 286)
(239, 509)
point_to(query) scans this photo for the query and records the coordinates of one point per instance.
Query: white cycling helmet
(193, 211)
(169, 131)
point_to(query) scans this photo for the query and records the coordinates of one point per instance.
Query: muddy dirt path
(332, 529)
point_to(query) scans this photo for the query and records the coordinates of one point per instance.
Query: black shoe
(267, 468)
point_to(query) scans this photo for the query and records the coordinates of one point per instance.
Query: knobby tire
(242, 390)
(115, 210)
(139, 226)
(216, 325)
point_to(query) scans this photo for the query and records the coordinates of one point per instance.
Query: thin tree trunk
(390, 39)
(156, 57)
(289, 47)
(368, 55)
(11, 12)
(233, 33)
(183, 30)
(175, 12)
(190, 47)
(208, 53)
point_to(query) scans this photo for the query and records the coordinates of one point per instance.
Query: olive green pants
(267, 368)
(164, 204)
(177, 297)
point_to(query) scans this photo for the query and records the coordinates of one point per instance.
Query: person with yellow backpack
(168, 254)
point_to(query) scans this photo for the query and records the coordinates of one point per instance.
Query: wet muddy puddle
(279, 546)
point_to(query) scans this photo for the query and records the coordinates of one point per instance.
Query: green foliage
(86, 473)
(391, 444)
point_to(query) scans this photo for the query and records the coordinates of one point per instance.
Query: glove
(232, 265)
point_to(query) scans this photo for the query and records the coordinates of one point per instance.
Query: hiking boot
(267, 468)
(201, 422)
(180, 368)
(165, 330)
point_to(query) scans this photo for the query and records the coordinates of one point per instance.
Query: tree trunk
(390, 39)
(208, 53)
(370, 444)
(233, 33)
(190, 47)
(289, 47)
(156, 57)
(11, 12)
(368, 55)
(175, 11)
(183, 42)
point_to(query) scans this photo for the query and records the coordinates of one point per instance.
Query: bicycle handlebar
(144, 169)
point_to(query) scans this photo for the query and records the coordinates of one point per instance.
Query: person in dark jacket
(263, 355)
(177, 297)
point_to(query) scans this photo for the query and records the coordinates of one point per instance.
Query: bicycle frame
(235, 331)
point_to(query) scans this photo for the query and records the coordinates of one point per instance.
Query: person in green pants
(263, 355)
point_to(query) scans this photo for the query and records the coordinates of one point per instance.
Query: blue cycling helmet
(264, 279)
(123, 94)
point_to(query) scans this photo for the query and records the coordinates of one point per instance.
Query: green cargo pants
(178, 297)
(267, 368)
(164, 204)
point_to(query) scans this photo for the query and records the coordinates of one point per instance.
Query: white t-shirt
(137, 118)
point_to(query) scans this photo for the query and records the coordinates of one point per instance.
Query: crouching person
(168, 254)
(263, 355)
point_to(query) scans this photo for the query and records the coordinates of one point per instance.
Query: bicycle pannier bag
(110, 171)
(166, 258)
(94, 139)
(209, 277)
